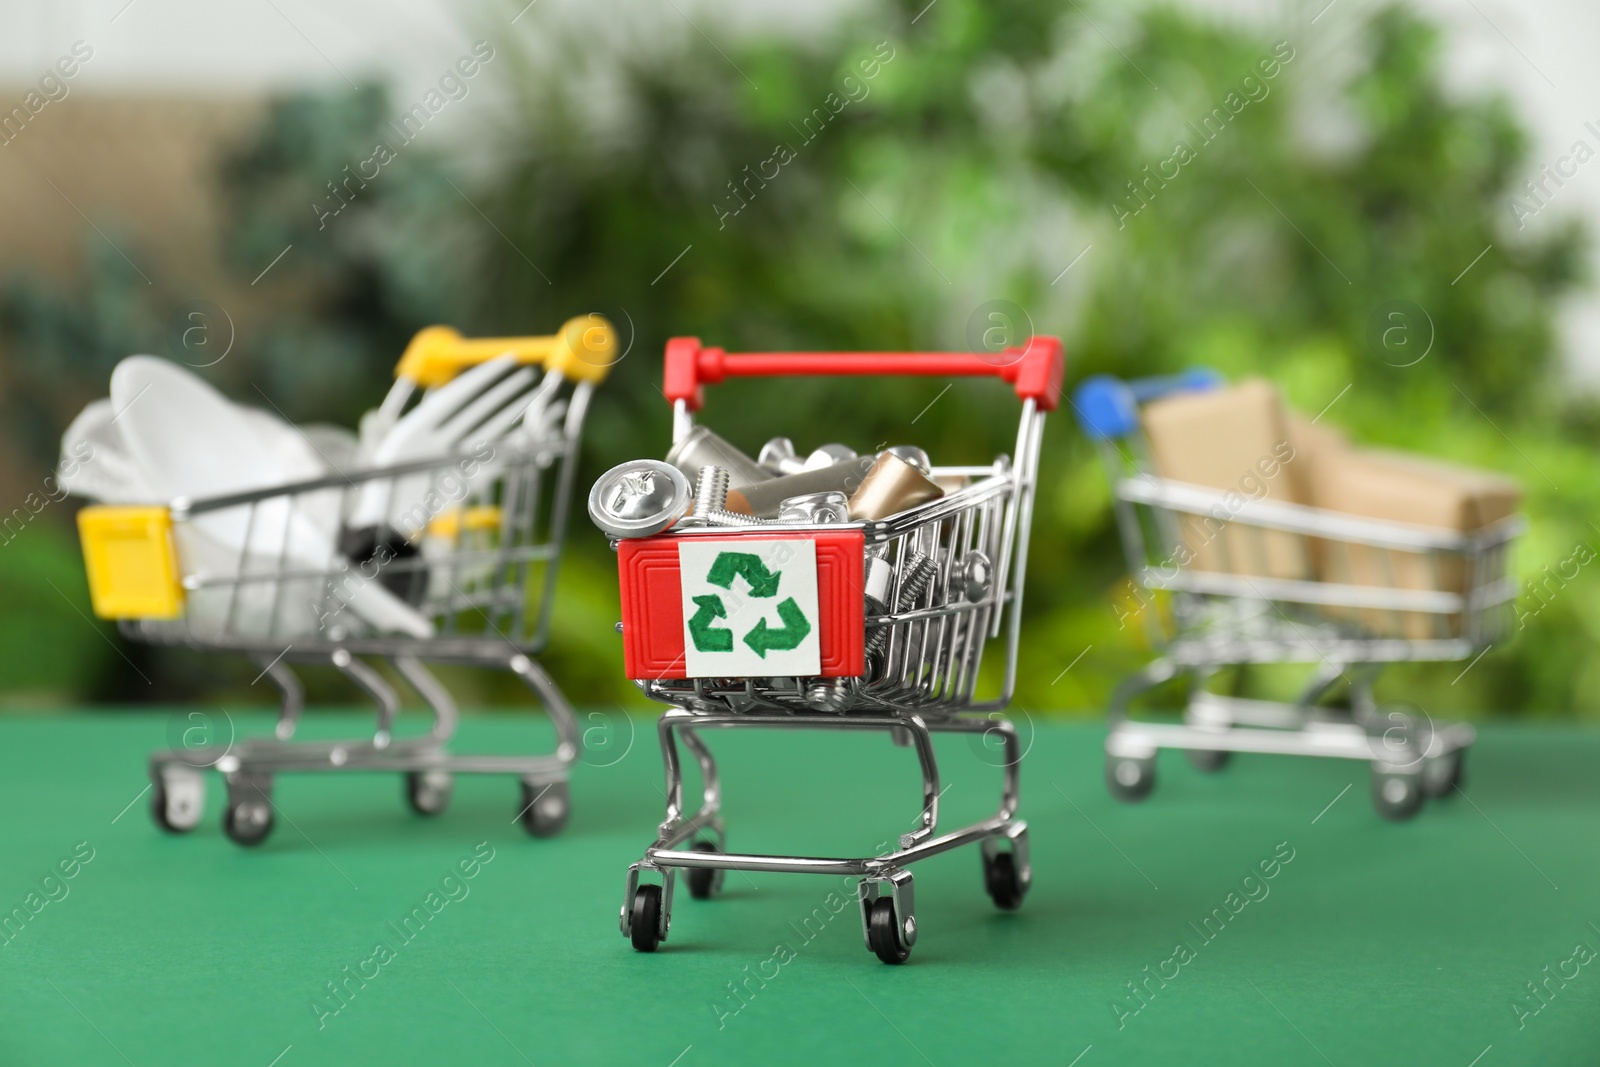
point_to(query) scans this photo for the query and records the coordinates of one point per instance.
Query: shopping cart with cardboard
(1209, 581)
(872, 625)
(463, 577)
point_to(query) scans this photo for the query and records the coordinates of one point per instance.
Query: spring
(918, 571)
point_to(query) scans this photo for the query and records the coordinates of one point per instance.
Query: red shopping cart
(863, 625)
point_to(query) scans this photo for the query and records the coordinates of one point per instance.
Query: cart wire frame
(921, 679)
(1201, 621)
(491, 530)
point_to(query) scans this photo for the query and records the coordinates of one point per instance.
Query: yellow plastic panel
(133, 570)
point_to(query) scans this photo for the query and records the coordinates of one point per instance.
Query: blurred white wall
(1541, 54)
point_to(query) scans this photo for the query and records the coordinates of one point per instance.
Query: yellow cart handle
(582, 351)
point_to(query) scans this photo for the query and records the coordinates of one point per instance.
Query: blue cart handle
(1107, 406)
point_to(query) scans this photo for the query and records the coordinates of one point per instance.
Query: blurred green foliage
(923, 177)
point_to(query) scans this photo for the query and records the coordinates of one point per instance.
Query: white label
(750, 608)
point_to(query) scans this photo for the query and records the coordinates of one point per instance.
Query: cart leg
(1208, 760)
(1131, 775)
(922, 740)
(568, 739)
(706, 882)
(291, 694)
(1323, 679)
(1362, 702)
(371, 683)
(889, 915)
(1154, 674)
(433, 693)
(546, 798)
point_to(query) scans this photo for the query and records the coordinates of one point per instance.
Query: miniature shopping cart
(903, 610)
(1205, 620)
(475, 577)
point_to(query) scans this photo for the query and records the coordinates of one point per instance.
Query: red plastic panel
(652, 602)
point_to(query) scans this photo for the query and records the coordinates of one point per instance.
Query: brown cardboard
(1410, 489)
(1234, 439)
(1315, 445)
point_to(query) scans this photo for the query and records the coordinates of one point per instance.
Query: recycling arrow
(728, 565)
(709, 638)
(795, 628)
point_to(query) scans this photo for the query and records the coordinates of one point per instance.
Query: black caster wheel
(1130, 780)
(1397, 797)
(1004, 881)
(1443, 773)
(883, 932)
(545, 808)
(428, 792)
(704, 881)
(248, 822)
(1208, 760)
(645, 920)
(176, 812)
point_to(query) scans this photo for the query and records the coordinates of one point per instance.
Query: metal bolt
(827, 456)
(831, 694)
(777, 456)
(919, 573)
(976, 574)
(710, 491)
(724, 517)
(911, 926)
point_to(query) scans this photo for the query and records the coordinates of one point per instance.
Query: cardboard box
(1237, 440)
(1315, 445)
(1403, 488)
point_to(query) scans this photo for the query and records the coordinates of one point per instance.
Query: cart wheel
(545, 808)
(1003, 881)
(704, 881)
(883, 932)
(645, 921)
(1130, 780)
(1208, 760)
(428, 792)
(177, 811)
(248, 821)
(1443, 773)
(1397, 796)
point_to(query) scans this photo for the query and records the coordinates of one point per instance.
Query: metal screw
(721, 517)
(919, 572)
(831, 694)
(711, 498)
(639, 498)
(710, 491)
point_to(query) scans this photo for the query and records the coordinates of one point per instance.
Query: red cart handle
(1035, 369)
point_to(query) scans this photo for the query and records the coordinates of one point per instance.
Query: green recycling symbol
(763, 583)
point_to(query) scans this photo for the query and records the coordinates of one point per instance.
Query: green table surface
(1376, 944)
